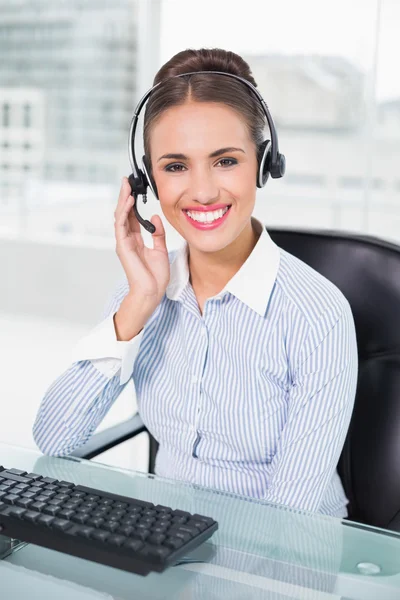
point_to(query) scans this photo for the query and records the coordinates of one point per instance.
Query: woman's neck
(210, 272)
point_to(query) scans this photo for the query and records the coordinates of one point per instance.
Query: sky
(363, 31)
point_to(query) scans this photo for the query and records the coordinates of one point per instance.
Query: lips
(208, 226)
(206, 208)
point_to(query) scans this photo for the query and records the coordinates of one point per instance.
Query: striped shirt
(254, 396)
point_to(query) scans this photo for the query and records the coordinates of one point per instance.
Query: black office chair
(367, 271)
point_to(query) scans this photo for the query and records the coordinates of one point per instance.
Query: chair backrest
(367, 271)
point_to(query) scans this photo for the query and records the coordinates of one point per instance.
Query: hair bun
(205, 59)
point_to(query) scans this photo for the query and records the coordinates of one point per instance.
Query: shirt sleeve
(77, 401)
(320, 405)
(107, 354)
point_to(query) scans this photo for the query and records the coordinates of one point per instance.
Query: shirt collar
(252, 284)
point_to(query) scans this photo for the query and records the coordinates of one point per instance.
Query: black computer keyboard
(118, 531)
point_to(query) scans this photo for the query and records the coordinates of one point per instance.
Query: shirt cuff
(101, 344)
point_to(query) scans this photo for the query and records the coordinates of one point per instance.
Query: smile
(207, 219)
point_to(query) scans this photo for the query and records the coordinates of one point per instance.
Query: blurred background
(71, 73)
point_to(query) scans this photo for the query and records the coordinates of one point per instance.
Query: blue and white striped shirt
(254, 396)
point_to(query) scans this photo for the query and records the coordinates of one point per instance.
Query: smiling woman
(244, 359)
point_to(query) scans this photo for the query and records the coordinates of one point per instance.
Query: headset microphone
(148, 225)
(270, 160)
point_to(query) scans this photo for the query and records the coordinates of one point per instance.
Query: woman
(244, 359)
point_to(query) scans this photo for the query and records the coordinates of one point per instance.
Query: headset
(270, 160)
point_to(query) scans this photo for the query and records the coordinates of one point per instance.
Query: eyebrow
(212, 155)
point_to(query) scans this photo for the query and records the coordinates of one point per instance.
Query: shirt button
(194, 379)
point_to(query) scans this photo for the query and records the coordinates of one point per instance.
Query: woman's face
(203, 158)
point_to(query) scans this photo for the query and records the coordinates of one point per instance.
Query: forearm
(73, 407)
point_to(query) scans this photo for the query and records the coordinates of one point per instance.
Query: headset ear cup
(147, 172)
(264, 162)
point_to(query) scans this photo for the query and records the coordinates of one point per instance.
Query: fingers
(123, 214)
(159, 242)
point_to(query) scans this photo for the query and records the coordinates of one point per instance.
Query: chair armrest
(110, 437)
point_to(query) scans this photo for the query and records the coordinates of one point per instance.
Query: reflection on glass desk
(259, 551)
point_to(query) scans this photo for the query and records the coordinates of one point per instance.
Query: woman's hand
(147, 269)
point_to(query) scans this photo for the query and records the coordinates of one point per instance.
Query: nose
(203, 186)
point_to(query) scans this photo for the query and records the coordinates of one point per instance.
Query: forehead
(199, 124)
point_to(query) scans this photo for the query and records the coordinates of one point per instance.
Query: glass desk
(260, 550)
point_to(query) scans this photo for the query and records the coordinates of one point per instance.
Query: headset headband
(275, 156)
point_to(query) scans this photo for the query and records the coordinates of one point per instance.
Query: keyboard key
(49, 480)
(16, 511)
(61, 497)
(95, 522)
(100, 535)
(134, 545)
(125, 530)
(200, 525)
(192, 531)
(31, 515)
(111, 526)
(134, 510)
(66, 513)
(78, 495)
(30, 494)
(92, 498)
(10, 499)
(33, 476)
(186, 537)
(106, 502)
(97, 514)
(159, 528)
(42, 498)
(45, 520)
(48, 494)
(158, 553)
(61, 524)
(39, 506)
(140, 534)
(24, 502)
(208, 521)
(116, 514)
(116, 539)
(80, 518)
(182, 513)
(55, 502)
(16, 471)
(52, 488)
(156, 538)
(22, 486)
(65, 484)
(130, 521)
(173, 542)
(38, 484)
(84, 531)
(51, 510)
(163, 509)
(14, 477)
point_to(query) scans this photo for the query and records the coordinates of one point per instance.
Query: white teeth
(207, 217)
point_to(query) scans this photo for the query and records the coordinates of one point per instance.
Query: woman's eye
(173, 168)
(228, 162)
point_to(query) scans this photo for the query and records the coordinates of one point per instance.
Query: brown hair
(203, 88)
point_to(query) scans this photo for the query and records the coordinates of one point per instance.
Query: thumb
(159, 242)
